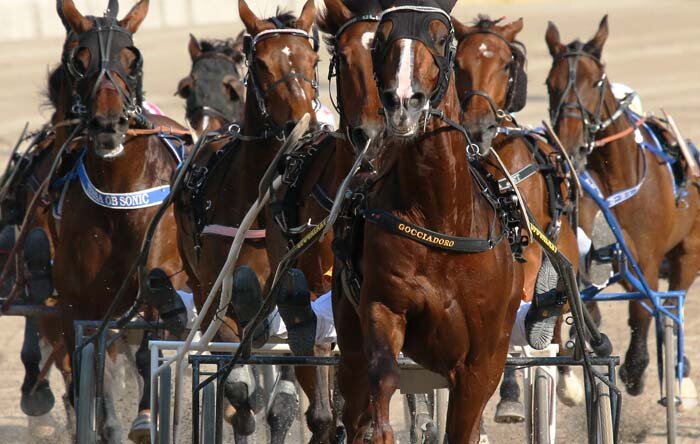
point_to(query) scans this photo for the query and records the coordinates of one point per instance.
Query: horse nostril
(390, 100)
(358, 137)
(417, 101)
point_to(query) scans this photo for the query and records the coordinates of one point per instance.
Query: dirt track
(654, 46)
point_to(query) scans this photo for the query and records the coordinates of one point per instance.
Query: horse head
(214, 91)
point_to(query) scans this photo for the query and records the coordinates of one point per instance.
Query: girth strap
(424, 236)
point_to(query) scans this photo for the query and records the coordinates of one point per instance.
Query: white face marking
(205, 122)
(367, 39)
(485, 51)
(404, 78)
(286, 51)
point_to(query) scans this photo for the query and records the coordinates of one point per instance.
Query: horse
(214, 91)
(100, 233)
(492, 84)
(282, 87)
(449, 311)
(594, 126)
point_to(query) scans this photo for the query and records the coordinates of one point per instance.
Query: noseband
(515, 100)
(415, 26)
(104, 41)
(250, 43)
(211, 69)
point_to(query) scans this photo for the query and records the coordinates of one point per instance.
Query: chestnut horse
(214, 91)
(104, 214)
(492, 84)
(594, 127)
(450, 311)
(282, 88)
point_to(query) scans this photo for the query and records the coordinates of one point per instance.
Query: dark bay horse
(121, 171)
(594, 127)
(282, 88)
(449, 311)
(492, 84)
(214, 92)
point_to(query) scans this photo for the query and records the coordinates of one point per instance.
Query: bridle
(517, 50)
(250, 43)
(105, 40)
(593, 122)
(417, 31)
(334, 68)
(203, 101)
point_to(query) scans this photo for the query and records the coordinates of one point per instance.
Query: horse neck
(432, 181)
(617, 163)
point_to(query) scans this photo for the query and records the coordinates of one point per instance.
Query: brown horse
(282, 88)
(104, 214)
(492, 84)
(449, 311)
(214, 91)
(594, 127)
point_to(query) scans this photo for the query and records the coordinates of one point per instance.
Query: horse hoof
(38, 403)
(239, 385)
(570, 390)
(281, 415)
(509, 412)
(634, 386)
(243, 423)
(689, 396)
(140, 432)
(247, 302)
(341, 435)
(37, 256)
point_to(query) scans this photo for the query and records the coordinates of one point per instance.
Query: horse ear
(184, 88)
(595, 45)
(307, 16)
(194, 48)
(251, 22)
(334, 16)
(512, 29)
(235, 89)
(75, 20)
(461, 30)
(135, 17)
(553, 40)
(59, 10)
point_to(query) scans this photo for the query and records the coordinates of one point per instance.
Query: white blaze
(367, 39)
(404, 78)
(485, 51)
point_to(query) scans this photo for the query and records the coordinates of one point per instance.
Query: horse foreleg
(111, 431)
(315, 382)
(140, 359)
(37, 398)
(284, 406)
(637, 356)
(385, 336)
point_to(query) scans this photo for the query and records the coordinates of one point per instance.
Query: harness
(104, 41)
(593, 124)
(516, 94)
(250, 43)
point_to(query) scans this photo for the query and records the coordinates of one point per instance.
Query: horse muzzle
(108, 134)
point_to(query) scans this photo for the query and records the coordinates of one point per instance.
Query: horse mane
(287, 18)
(52, 92)
(228, 47)
(484, 21)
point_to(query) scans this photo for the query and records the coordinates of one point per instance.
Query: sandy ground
(653, 46)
